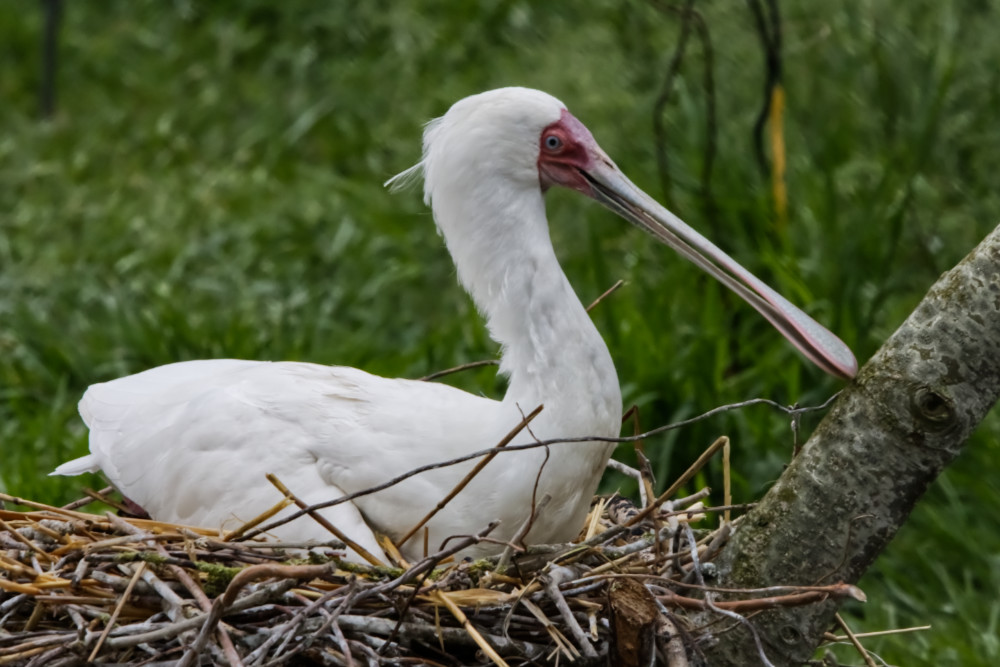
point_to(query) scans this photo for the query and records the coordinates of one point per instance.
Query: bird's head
(523, 136)
(500, 150)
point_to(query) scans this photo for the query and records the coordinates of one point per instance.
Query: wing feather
(192, 441)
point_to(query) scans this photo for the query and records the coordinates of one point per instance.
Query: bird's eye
(553, 143)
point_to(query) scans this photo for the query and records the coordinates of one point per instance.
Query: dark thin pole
(768, 23)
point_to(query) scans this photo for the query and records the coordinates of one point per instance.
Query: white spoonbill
(191, 442)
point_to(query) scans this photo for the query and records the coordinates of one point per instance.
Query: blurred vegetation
(211, 187)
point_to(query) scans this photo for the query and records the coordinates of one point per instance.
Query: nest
(76, 588)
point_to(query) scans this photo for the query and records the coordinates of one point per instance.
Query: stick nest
(78, 588)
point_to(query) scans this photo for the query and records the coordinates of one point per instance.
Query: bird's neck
(552, 352)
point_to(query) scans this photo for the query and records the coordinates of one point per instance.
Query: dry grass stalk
(471, 474)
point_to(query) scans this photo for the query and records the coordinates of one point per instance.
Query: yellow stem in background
(778, 156)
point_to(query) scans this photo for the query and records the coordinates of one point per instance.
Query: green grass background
(211, 187)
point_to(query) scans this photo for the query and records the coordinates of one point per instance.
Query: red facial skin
(566, 148)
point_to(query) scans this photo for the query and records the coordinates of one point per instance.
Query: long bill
(612, 189)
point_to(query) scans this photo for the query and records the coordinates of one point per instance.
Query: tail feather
(77, 466)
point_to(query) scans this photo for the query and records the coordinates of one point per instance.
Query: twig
(257, 520)
(538, 475)
(635, 474)
(89, 498)
(854, 640)
(565, 645)
(285, 572)
(504, 562)
(680, 505)
(675, 654)
(428, 563)
(342, 643)
(471, 474)
(428, 633)
(840, 590)
(880, 633)
(121, 507)
(288, 629)
(173, 602)
(196, 592)
(72, 514)
(696, 568)
(557, 576)
(460, 616)
(25, 541)
(331, 621)
(745, 606)
(608, 292)
(118, 610)
(681, 481)
(322, 520)
(645, 471)
(459, 368)
(174, 629)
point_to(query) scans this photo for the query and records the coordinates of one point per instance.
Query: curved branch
(890, 434)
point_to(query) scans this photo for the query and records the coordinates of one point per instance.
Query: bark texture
(904, 418)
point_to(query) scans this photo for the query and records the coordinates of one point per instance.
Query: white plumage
(191, 442)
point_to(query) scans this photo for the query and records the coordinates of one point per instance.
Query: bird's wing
(191, 442)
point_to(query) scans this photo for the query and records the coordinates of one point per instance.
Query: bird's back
(191, 442)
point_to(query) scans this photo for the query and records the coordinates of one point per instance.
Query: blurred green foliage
(211, 187)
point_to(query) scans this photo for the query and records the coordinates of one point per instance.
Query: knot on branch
(925, 411)
(933, 410)
(934, 418)
(790, 635)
